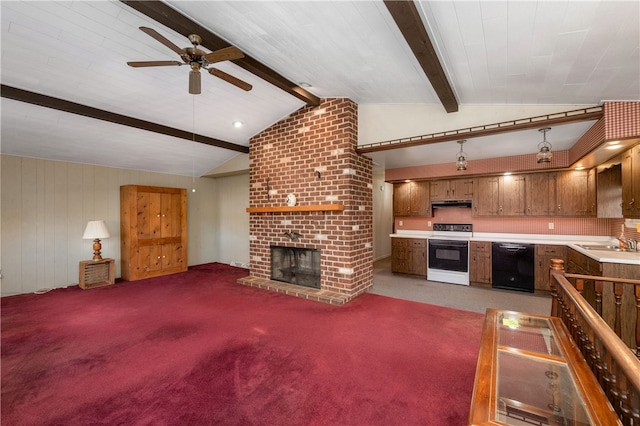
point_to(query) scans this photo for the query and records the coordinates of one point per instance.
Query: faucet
(632, 245)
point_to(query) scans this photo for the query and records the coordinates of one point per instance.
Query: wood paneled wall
(45, 206)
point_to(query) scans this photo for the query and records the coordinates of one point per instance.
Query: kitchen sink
(604, 247)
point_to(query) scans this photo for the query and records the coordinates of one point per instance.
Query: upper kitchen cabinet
(452, 189)
(486, 199)
(513, 200)
(411, 199)
(576, 193)
(541, 194)
(631, 183)
(500, 196)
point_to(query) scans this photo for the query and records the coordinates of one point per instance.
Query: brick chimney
(311, 154)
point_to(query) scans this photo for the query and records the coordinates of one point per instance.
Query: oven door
(449, 255)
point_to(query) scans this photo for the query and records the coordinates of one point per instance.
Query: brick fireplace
(311, 154)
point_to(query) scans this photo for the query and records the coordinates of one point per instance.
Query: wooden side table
(97, 273)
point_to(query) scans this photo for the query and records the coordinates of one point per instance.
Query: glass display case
(529, 372)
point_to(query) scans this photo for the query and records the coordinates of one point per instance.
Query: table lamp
(95, 230)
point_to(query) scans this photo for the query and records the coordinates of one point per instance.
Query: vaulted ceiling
(67, 86)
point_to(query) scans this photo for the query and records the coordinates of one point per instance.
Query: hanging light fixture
(544, 154)
(461, 163)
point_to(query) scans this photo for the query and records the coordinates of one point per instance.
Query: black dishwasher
(513, 266)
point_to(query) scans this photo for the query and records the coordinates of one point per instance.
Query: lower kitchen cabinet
(409, 256)
(543, 255)
(480, 263)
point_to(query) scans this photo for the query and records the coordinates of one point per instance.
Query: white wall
(45, 206)
(231, 219)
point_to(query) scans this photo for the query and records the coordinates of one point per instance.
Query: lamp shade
(96, 229)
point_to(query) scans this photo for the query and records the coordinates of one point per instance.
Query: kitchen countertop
(629, 258)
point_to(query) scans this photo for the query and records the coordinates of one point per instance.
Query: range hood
(451, 203)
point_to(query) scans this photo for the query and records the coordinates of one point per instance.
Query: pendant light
(461, 163)
(544, 154)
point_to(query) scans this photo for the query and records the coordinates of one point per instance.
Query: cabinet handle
(158, 215)
(558, 207)
(631, 202)
(500, 210)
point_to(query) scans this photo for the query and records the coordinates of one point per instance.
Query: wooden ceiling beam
(171, 18)
(408, 20)
(99, 114)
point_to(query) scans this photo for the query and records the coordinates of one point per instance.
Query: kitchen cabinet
(578, 263)
(543, 255)
(541, 194)
(411, 199)
(153, 231)
(576, 193)
(486, 197)
(452, 189)
(500, 196)
(409, 256)
(631, 183)
(480, 263)
(512, 195)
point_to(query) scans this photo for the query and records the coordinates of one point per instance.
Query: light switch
(401, 223)
(551, 225)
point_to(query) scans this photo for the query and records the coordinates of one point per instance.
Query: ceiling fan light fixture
(544, 154)
(461, 161)
(194, 82)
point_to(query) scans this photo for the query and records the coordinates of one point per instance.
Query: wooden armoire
(153, 231)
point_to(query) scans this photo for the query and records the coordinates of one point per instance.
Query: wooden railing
(614, 364)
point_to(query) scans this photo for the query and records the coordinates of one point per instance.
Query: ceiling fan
(197, 59)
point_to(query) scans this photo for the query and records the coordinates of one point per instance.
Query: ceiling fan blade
(163, 40)
(194, 82)
(153, 63)
(226, 54)
(230, 79)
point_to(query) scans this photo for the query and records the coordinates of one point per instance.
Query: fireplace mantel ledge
(310, 208)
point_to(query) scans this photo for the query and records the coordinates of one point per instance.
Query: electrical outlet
(551, 225)
(429, 223)
(400, 223)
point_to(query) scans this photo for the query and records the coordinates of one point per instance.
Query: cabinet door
(170, 215)
(148, 260)
(631, 183)
(148, 215)
(172, 256)
(419, 203)
(461, 189)
(635, 178)
(627, 184)
(418, 257)
(439, 189)
(399, 252)
(513, 195)
(401, 198)
(486, 197)
(592, 190)
(572, 188)
(541, 194)
(543, 255)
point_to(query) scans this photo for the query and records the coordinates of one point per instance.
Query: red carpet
(198, 349)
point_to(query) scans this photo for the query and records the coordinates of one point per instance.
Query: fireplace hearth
(295, 265)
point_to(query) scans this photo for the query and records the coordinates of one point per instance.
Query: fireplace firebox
(295, 265)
